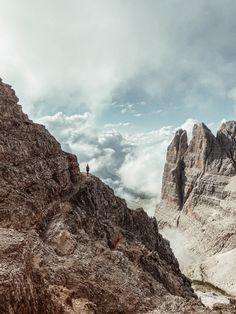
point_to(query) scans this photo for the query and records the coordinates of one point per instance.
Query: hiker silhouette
(87, 169)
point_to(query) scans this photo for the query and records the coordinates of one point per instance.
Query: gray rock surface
(199, 203)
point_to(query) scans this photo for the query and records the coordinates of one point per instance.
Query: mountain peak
(229, 126)
(178, 146)
(7, 93)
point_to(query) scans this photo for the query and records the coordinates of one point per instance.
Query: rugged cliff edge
(199, 202)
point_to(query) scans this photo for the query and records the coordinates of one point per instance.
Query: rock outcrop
(199, 203)
(68, 244)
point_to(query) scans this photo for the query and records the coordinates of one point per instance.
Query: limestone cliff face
(68, 244)
(199, 195)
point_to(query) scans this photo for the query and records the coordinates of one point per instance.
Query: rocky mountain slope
(199, 204)
(68, 244)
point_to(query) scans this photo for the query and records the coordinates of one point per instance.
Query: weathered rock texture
(199, 200)
(68, 244)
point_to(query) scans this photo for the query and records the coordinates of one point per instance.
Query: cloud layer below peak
(132, 164)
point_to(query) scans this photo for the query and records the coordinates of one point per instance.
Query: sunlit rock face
(68, 244)
(199, 203)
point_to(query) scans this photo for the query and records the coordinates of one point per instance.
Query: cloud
(127, 108)
(117, 125)
(104, 149)
(132, 164)
(80, 54)
(133, 109)
(143, 166)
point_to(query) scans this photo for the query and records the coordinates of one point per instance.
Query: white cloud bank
(74, 53)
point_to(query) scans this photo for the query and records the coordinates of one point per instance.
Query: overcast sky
(113, 79)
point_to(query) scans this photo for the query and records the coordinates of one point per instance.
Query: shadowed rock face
(174, 176)
(68, 244)
(199, 198)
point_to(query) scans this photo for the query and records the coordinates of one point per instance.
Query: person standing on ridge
(87, 169)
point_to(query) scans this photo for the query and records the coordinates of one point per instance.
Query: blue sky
(113, 79)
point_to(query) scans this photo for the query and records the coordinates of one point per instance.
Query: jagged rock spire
(177, 147)
(185, 164)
